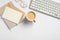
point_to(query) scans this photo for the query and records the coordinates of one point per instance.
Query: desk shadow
(27, 23)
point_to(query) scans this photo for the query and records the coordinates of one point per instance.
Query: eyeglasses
(21, 3)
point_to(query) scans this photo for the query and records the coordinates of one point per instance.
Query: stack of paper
(11, 15)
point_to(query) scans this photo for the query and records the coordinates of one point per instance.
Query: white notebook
(12, 15)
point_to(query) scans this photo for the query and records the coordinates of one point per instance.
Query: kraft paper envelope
(9, 23)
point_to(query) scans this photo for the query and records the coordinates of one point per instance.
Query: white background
(45, 28)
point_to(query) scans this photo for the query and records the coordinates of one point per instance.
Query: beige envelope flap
(10, 4)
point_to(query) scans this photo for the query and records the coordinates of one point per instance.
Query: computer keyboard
(47, 7)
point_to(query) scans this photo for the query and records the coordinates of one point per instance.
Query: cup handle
(34, 21)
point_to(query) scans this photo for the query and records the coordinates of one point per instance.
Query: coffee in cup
(31, 16)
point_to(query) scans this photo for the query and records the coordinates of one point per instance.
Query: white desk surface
(45, 28)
